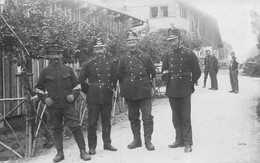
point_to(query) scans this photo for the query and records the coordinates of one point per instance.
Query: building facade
(165, 13)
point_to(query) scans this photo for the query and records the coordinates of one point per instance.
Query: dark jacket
(184, 71)
(233, 64)
(58, 81)
(207, 61)
(135, 72)
(214, 64)
(101, 76)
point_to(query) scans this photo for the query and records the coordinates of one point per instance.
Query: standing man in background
(181, 70)
(233, 73)
(136, 72)
(101, 75)
(213, 72)
(63, 88)
(207, 61)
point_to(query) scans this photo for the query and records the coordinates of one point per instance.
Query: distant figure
(213, 72)
(233, 73)
(206, 66)
(181, 70)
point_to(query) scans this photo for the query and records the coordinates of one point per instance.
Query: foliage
(153, 43)
(36, 27)
(255, 23)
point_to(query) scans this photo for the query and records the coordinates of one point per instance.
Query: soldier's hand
(70, 98)
(48, 101)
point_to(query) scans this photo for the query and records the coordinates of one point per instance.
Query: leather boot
(59, 156)
(136, 143)
(110, 148)
(149, 145)
(187, 149)
(84, 155)
(176, 145)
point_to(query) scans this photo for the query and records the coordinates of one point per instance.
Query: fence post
(24, 78)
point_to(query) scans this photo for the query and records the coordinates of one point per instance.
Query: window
(183, 13)
(154, 12)
(164, 11)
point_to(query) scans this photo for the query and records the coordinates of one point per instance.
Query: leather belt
(100, 84)
(180, 75)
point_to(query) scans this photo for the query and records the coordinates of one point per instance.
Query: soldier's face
(56, 57)
(100, 51)
(174, 42)
(132, 45)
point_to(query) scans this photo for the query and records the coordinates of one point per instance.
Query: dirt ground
(225, 126)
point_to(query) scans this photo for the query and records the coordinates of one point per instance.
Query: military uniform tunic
(101, 75)
(184, 71)
(134, 73)
(59, 82)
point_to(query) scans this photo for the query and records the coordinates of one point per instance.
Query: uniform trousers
(233, 74)
(181, 110)
(206, 73)
(134, 107)
(214, 80)
(93, 116)
(69, 117)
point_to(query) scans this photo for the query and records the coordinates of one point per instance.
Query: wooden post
(28, 115)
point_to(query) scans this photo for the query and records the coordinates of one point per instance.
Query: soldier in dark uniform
(207, 61)
(213, 72)
(101, 75)
(233, 73)
(135, 72)
(62, 89)
(181, 70)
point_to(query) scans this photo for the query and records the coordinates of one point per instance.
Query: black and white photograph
(130, 81)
